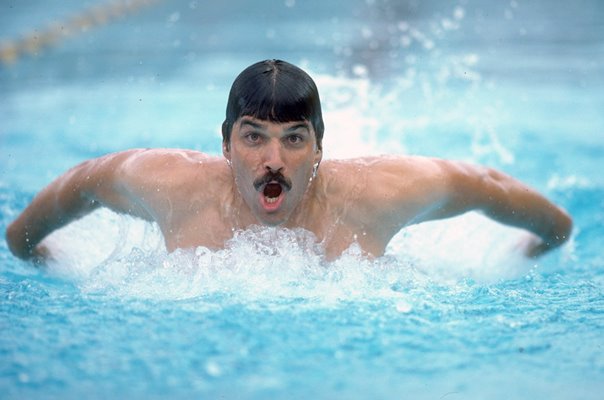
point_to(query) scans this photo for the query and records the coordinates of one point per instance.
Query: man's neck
(307, 213)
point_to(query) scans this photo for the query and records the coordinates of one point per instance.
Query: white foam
(110, 253)
(125, 257)
(468, 246)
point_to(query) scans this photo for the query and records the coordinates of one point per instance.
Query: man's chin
(272, 221)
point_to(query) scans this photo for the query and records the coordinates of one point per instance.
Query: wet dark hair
(276, 91)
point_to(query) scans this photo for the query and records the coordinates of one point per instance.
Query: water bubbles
(259, 267)
(411, 59)
(359, 70)
(447, 24)
(213, 369)
(173, 18)
(557, 182)
(422, 39)
(470, 59)
(458, 13)
(403, 307)
(23, 377)
(403, 26)
(508, 14)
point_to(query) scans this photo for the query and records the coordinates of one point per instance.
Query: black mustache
(273, 177)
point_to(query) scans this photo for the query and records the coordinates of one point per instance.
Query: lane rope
(35, 41)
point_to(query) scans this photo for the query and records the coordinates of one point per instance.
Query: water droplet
(174, 17)
(403, 307)
(213, 369)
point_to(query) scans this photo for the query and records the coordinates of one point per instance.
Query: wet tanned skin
(266, 178)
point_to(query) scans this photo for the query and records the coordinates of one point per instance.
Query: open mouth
(272, 196)
(272, 189)
(271, 192)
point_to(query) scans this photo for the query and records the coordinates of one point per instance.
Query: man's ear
(226, 150)
(226, 140)
(318, 156)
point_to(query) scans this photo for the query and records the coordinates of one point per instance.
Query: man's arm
(76, 193)
(418, 189)
(505, 200)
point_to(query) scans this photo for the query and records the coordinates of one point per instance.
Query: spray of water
(127, 257)
(276, 267)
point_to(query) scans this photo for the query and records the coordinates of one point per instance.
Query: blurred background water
(450, 312)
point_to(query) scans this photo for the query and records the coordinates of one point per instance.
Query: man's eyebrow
(298, 126)
(251, 123)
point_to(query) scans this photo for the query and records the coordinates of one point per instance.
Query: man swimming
(272, 174)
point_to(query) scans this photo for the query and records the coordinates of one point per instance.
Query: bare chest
(337, 236)
(208, 228)
(212, 230)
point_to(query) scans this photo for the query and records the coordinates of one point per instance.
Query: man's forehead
(265, 123)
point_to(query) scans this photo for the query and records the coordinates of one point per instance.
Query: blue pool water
(450, 312)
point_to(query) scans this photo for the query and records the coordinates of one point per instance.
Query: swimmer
(272, 174)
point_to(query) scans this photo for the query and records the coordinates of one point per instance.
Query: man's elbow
(565, 226)
(17, 241)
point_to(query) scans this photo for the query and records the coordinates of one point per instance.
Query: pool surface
(450, 312)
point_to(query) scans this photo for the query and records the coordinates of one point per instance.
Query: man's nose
(273, 158)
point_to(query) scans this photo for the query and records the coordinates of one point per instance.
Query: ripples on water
(450, 311)
(248, 319)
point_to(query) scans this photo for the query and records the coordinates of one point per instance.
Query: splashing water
(126, 258)
(450, 311)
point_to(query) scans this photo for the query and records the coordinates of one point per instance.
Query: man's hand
(41, 255)
(532, 246)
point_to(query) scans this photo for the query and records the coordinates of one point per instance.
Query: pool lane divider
(34, 42)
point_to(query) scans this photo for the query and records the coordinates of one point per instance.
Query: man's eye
(253, 137)
(294, 139)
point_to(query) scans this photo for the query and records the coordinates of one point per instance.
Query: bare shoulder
(387, 174)
(168, 166)
(159, 174)
(396, 189)
(160, 161)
